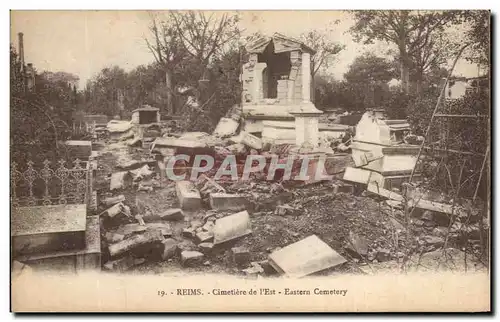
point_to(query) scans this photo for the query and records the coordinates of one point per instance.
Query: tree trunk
(168, 85)
(405, 66)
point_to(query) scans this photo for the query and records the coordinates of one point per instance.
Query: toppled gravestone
(189, 197)
(226, 201)
(191, 258)
(305, 257)
(226, 127)
(116, 215)
(168, 215)
(170, 248)
(120, 180)
(148, 237)
(232, 227)
(251, 141)
(110, 201)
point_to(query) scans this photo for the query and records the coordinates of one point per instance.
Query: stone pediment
(281, 44)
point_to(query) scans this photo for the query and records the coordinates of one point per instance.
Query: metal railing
(47, 185)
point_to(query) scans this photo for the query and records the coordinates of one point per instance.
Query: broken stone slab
(140, 220)
(305, 257)
(431, 205)
(110, 201)
(232, 227)
(206, 248)
(358, 244)
(146, 188)
(165, 228)
(209, 226)
(189, 197)
(135, 142)
(130, 229)
(170, 248)
(226, 127)
(394, 204)
(188, 232)
(191, 258)
(254, 270)
(187, 143)
(142, 173)
(251, 141)
(128, 164)
(283, 210)
(123, 264)
(226, 201)
(128, 244)
(117, 211)
(374, 188)
(240, 255)
(120, 180)
(114, 237)
(204, 237)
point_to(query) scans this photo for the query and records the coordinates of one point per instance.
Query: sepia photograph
(250, 161)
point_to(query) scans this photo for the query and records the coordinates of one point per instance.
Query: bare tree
(168, 49)
(205, 34)
(325, 48)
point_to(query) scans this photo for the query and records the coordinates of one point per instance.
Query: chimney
(21, 50)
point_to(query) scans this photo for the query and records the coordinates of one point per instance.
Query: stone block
(305, 257)
(204, 237)
(240, 255)
(149, 237)
(189, 197)
(43, 229)
(251, 141)
(191, 258)
(232, 227)
(77, 260)
(226, 201)
(226, 127)
(172, 214)
(170, 248)
(120, 180)
(206, 248)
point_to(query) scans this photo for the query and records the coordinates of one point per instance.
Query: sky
(84, 42)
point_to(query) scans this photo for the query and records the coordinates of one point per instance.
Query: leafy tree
(479, 34)
(368, 76)
(410, 31)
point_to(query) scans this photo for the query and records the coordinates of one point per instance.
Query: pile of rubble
(258, 227)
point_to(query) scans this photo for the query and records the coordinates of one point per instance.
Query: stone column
(306, 77)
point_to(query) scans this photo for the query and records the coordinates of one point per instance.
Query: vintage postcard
(250, 161)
